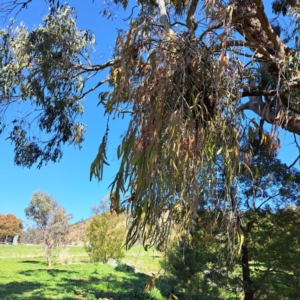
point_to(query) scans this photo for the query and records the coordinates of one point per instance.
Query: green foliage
(188, 145)
(200, 265)
(39, 208)
(273, 245)
(105, 237)
(40, 66)
(263, 254)
(267, 182)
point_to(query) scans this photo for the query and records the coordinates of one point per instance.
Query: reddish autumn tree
(10, 226)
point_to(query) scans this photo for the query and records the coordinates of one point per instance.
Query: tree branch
(294, 162)
(220, 24)
(163, 17)
(7, 8)
(190, 19)
(295, 84)
(259, 49)
(286, 102)
(266, 26)
(291, 122)
(268, 199)
(293, 3)
(108, 64)
(257, 29)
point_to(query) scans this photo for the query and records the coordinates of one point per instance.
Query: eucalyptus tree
(185, 72)
(51, 219)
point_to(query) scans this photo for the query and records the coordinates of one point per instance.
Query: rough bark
(257, 29)
(190, 20)
(262, 39)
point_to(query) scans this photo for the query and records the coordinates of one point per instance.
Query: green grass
(146, 261)
(24, 275)
(20, 251)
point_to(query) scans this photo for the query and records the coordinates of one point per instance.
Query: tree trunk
(248, 289)
(49, 260)
(48, 254)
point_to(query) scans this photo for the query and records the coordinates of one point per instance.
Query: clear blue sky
(68, 180)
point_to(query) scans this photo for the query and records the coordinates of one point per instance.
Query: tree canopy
(255, 263)
(10, 226)
(50, 218)
(185, 72)
(105, 237)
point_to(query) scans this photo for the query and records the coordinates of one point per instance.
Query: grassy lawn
(20, 251)
(24, 275)
(146, 261)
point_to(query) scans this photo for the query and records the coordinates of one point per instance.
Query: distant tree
(50, 218)
(76, 234)
(32, 235)
(105, 237)
(10, 226)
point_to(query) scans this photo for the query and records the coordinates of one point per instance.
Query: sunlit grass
(19, 251)
(32, 279)
(24, 274)
(146, 261)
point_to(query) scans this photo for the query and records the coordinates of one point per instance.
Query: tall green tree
(51, 219)
(185, 72)
(202, 267)
(266, 220)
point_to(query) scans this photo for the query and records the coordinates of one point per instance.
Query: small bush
(121, 267)
(105, 235)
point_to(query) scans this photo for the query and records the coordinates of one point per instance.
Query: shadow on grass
(110, 287)
(75, 284)
(36, 262)
(51, 272)
(17, 290)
